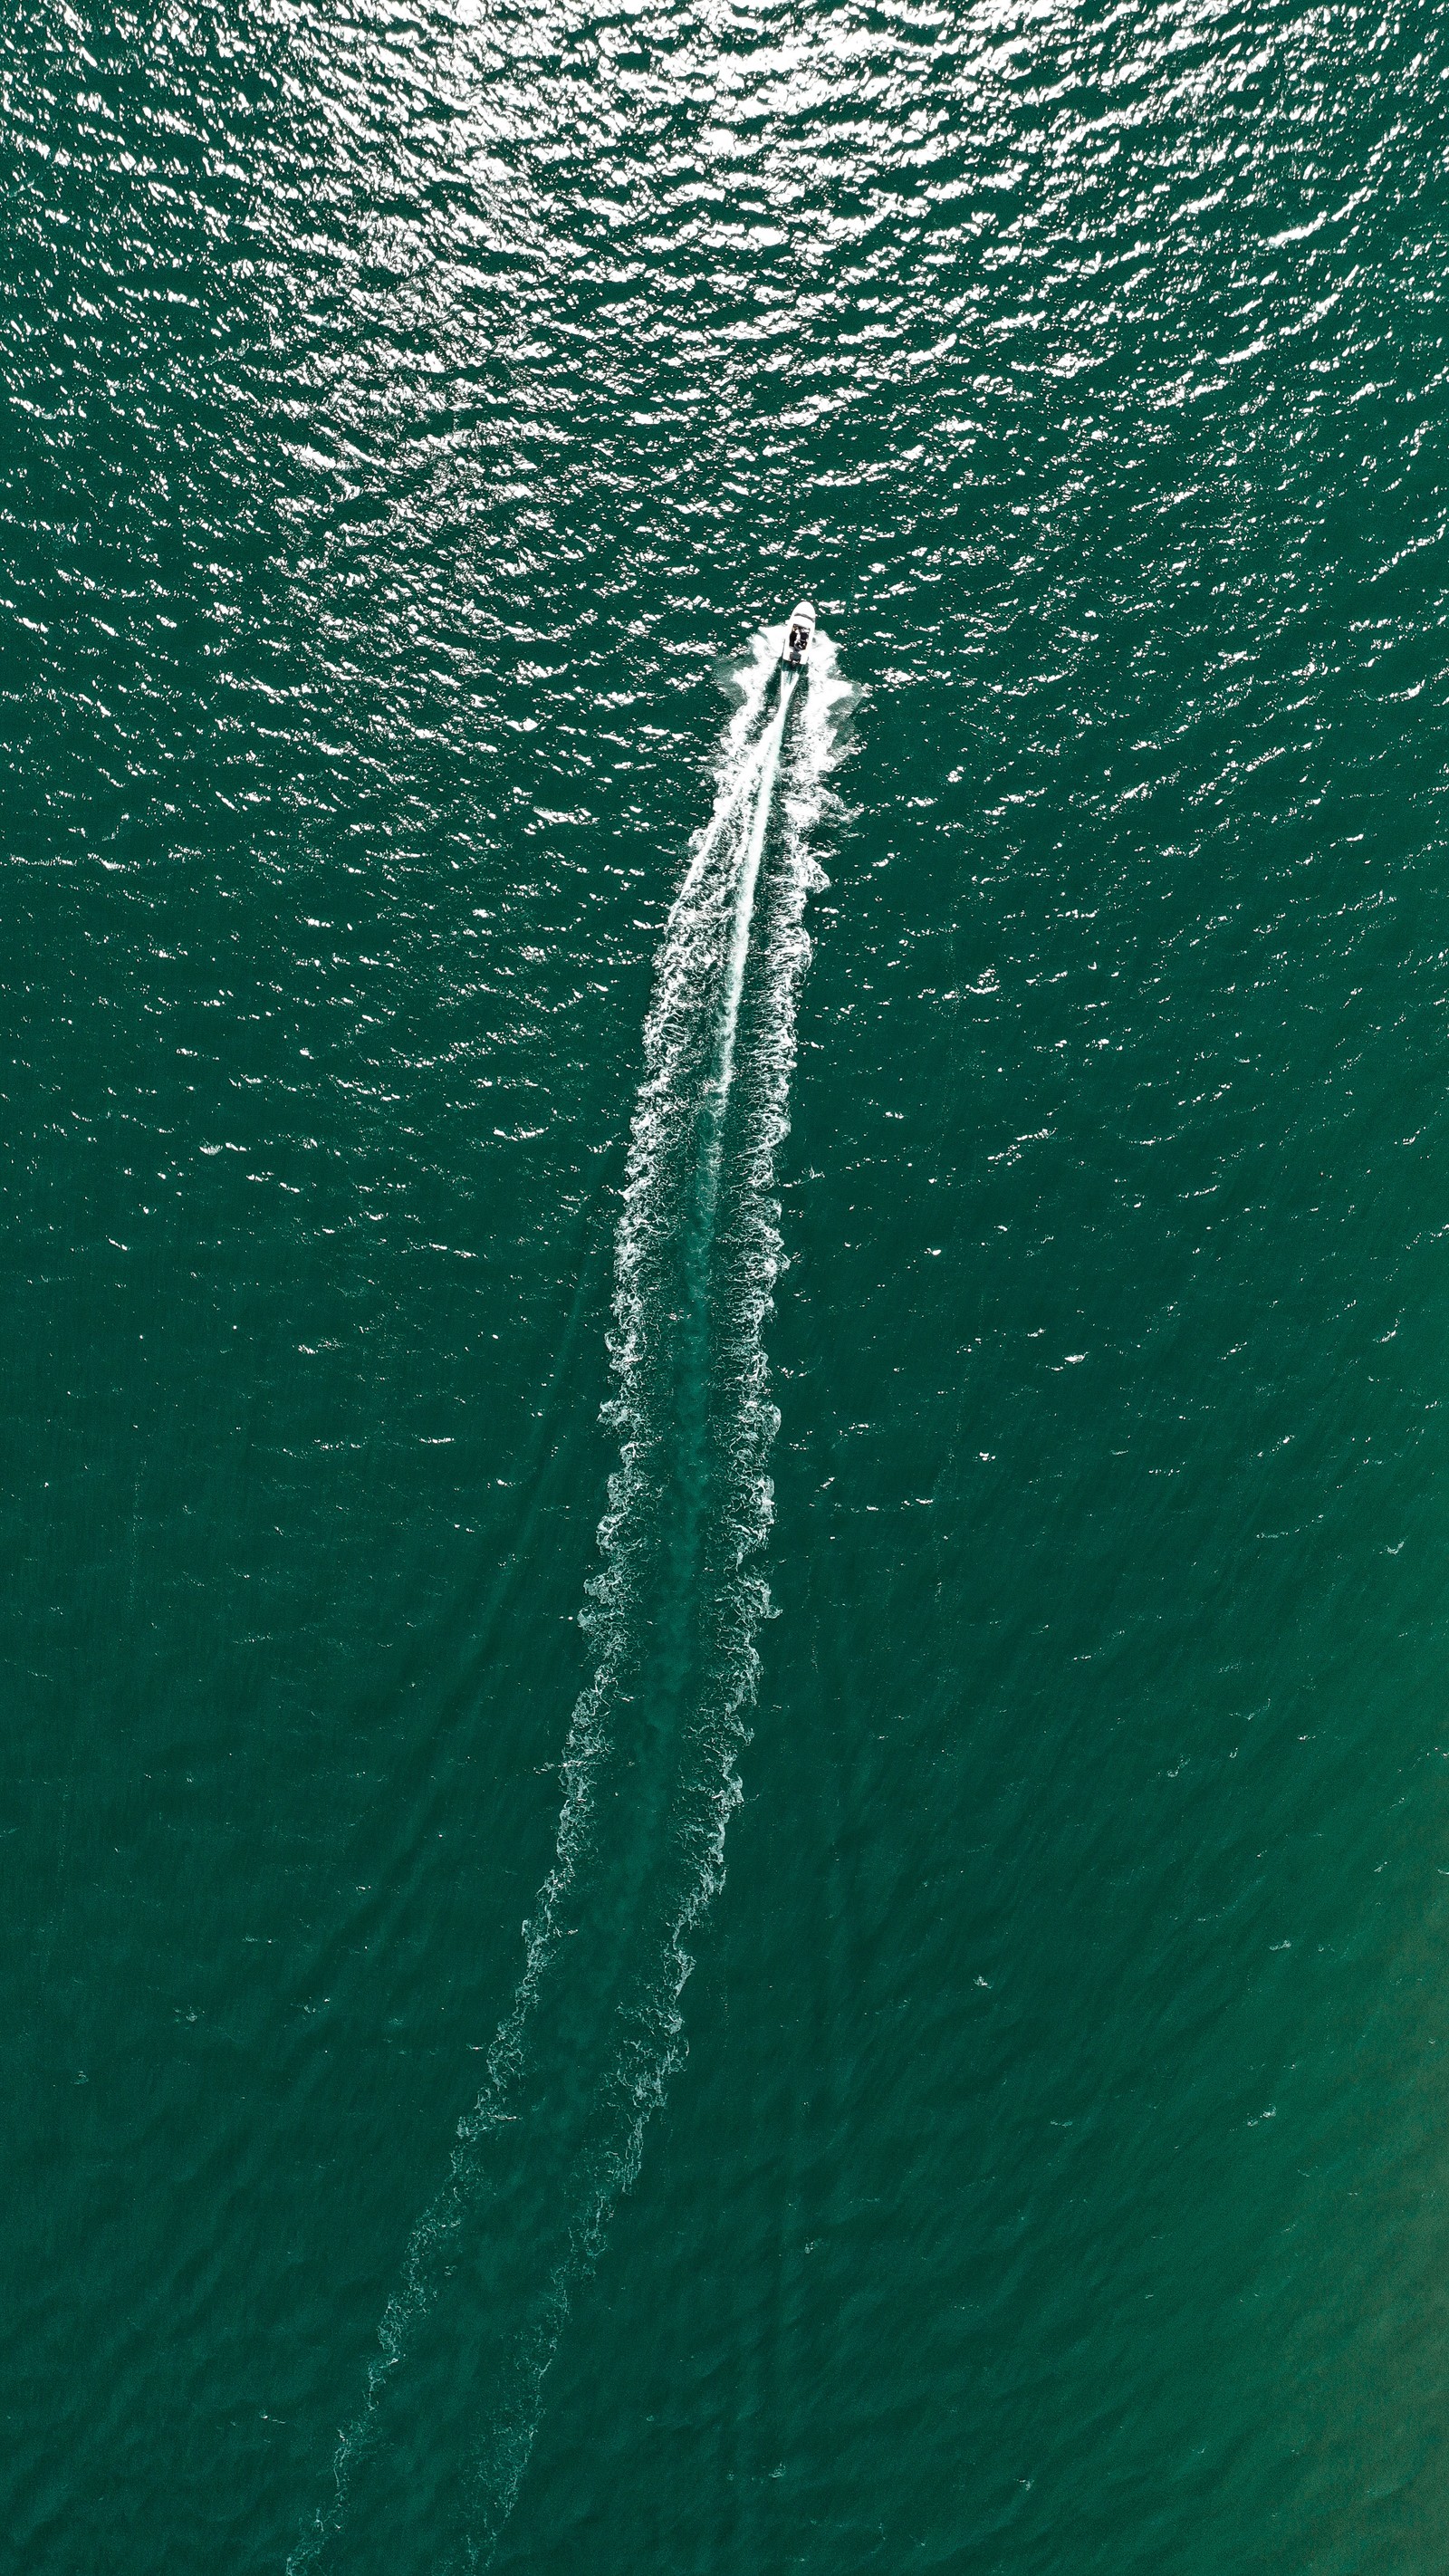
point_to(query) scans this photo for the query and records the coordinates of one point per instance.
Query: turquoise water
(921, 1222)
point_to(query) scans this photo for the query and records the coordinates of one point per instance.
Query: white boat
(798, 638)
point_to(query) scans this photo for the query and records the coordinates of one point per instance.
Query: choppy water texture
(453, 1116)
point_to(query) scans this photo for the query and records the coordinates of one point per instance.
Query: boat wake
(428, 2471)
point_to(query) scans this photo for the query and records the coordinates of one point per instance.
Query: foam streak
(649, 1767)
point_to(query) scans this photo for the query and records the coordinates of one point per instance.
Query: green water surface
(407, 405)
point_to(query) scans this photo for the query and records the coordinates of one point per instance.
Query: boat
(798, 638)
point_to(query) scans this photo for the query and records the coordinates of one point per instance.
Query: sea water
(908, 2034)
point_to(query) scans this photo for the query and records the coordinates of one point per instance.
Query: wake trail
(427, 2472)
(745, 905)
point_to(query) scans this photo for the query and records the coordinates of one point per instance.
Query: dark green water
(1042, 2168)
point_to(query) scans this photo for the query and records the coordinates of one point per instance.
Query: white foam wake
(649, 1767)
